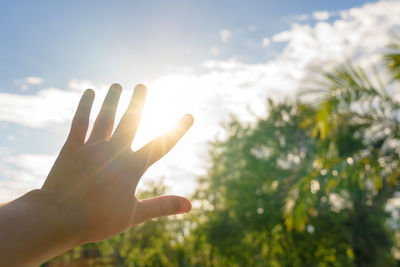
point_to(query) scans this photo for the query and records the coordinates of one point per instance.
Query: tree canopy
(306, 185)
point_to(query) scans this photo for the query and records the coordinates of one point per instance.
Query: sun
(163, 108)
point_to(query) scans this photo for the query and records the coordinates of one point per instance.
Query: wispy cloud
(266, 42)
(47, 106)
(282, 36)
(321, 15)
(296, 18)
(22, 173)
(225, 35)
(214, 51)
(24, 83)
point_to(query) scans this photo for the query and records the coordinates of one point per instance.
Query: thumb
(161, 206)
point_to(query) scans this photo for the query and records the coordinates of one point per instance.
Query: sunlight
(164, 106)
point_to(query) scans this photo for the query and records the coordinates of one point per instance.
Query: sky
(209, 58)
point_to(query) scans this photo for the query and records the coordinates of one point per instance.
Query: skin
(89, 194)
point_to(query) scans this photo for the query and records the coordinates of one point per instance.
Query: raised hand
(93, 182)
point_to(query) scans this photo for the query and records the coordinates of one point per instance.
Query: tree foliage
(306, 185)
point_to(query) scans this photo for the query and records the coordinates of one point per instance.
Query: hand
(92, 184)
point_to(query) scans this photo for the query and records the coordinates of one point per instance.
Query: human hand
(92, 184)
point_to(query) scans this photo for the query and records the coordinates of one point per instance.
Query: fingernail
(116, 87)
(186, 206)
(140, 90)
(187, 120)
(89, 93)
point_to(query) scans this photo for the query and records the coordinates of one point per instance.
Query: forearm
(32, 231)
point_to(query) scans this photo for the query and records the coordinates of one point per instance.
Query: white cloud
(26, 82)
(282, 36)
(266, 42)
(225, 35)
(359, 33)
(36, 164)
(214, 51)
(321, 15)
(48, 106)
(302, 17)
(22, 173)
(34, 80)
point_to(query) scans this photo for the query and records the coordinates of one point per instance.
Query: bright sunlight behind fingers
(162, 110)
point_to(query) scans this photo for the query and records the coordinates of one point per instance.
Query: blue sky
(211, 58)
(135, 40)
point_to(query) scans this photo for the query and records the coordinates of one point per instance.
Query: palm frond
(392, 60)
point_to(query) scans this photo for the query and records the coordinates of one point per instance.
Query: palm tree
(356, 128)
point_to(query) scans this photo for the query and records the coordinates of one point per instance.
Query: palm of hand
(94, 182)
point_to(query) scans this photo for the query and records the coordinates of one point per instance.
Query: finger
(80, 122)
(161, 206)
(160, 146)
(104, 123)
(129, 123)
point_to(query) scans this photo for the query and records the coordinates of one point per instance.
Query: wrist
(37, 228)
(57, 215)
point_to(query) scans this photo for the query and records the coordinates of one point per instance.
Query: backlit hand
(92, 183)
